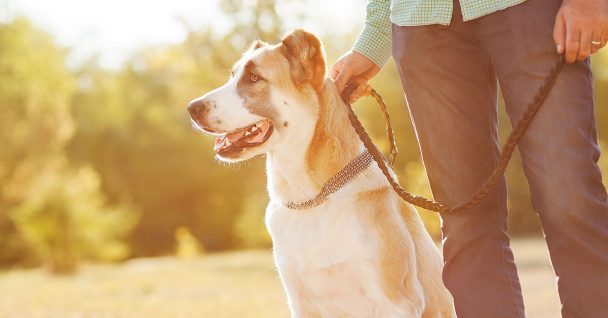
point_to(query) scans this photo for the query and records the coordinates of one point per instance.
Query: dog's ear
(256, 45)
(306, 57)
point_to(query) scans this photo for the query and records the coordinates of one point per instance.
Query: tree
(50, 211)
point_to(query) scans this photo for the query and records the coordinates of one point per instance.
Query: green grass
(238, 284)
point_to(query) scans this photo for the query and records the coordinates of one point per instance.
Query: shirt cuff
(374, 44)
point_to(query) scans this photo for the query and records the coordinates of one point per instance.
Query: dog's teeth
(228, 143)
(247, 133)
(254, 129)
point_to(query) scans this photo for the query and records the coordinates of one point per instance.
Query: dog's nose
(196, 108)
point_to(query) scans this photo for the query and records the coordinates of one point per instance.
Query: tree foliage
(51, 211)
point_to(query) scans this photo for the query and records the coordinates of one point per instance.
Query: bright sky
(114, 29)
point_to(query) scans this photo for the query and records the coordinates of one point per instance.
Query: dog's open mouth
(247, 137)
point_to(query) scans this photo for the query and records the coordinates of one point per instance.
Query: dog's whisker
(195, 127)
(231, 165)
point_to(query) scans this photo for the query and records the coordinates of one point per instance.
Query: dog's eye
(254, 77)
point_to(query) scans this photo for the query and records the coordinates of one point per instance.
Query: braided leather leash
(499, 170)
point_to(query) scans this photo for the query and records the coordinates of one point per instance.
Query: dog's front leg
(414, 297)
(299, 303)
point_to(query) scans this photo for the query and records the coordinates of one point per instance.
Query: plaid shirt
(375, 40)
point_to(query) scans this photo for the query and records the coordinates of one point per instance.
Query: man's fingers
(352, 67)
(596, 43)
(368, 90)
(355, 95)
(343, 77)
(559, 33)
(584, 47)
(573, 40)
(359, 92)
(335, 70)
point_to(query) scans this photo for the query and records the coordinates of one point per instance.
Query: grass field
(236, 284)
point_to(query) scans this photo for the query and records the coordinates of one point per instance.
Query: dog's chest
(327, 258)
(319, 237)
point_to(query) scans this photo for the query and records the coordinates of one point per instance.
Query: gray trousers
(450, 76)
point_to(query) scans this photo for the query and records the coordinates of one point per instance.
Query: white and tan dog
(363, 252)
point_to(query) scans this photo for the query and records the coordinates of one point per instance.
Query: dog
(361, 252)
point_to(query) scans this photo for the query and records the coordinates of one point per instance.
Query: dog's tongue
(233, 137)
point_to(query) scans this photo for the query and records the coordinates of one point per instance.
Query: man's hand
(581, 28)
(352, 68)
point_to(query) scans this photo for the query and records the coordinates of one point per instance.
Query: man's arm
(370, 52)
(375, 40)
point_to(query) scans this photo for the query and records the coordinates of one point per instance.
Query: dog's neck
(299, 172)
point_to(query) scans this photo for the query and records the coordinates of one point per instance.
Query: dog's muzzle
(198, 110)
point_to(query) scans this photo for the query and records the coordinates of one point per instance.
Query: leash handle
(390, 132)
(505, 155)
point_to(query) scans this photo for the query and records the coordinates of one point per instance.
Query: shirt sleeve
(375, 40)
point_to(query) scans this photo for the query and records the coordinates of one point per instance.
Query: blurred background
(106, 192)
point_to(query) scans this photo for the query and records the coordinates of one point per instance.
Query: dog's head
(270, 100)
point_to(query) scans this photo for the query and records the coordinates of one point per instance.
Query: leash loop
(505, 155)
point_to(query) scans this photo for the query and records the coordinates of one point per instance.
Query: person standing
(451, 56)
